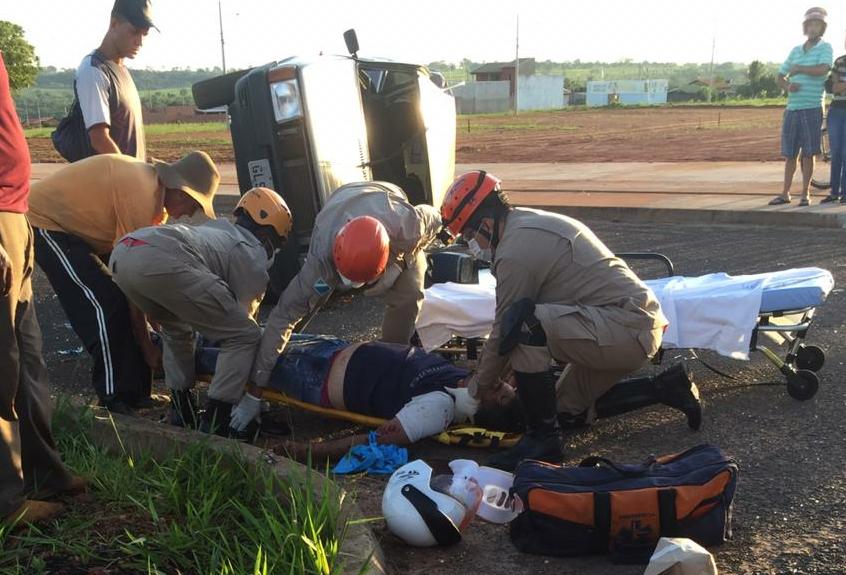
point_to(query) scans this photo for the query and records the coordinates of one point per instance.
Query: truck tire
(217, 91)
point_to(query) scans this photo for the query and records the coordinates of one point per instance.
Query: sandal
(804, 202)
(778, 200)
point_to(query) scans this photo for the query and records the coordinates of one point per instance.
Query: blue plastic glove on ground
(372, 458)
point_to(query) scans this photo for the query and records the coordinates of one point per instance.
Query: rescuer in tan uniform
(208, 279)
(367, 233)
(78, 214)
(560, 294)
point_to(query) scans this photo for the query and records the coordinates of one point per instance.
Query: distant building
(626, 92)
(722, 88)
(503, 71)
(493, 89)
(495, 71)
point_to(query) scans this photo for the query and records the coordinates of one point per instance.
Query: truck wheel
(217, 91)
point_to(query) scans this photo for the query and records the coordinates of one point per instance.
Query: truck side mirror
(351, 40)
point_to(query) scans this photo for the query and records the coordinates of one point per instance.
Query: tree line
(42, 92)
(749, 81)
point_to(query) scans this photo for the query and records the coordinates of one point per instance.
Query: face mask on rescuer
(349, 284)
(477, 252)
(474, 249)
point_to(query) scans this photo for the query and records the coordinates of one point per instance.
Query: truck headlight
(286, 100)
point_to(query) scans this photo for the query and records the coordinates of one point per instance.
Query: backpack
(70, 138)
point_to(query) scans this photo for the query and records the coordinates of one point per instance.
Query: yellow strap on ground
(461, 435)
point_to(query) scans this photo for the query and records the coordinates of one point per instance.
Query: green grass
(185, 128)
(152, 129)
(751, 102)
(38, 132)
(202, 512)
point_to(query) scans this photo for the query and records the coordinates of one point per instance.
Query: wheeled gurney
(727, 314)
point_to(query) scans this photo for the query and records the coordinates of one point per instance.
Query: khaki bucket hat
(195, 174)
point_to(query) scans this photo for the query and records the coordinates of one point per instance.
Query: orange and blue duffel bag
(602, 507)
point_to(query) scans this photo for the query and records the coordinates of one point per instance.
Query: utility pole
(711, 71)
(517, 69)
(222, 50)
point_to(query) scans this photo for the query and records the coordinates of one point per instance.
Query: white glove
(243, 413)
(386, 281)
(466, 405)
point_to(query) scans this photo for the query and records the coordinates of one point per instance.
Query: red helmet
(464, 196)
(361, 249)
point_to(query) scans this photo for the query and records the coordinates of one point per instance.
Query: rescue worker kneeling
(560, 294)
(209, 279)
(366, 234)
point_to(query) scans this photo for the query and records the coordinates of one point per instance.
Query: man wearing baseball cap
(78, 214)
(803, 76)
(108, 99)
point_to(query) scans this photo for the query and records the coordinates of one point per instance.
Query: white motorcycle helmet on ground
(425, 511)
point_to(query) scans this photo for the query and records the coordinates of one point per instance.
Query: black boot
(215, 418)
(183, 408)
(673, 387)
(541, 440)
(676, 389)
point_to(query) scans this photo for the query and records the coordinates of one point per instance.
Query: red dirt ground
(674, 134)
(623, 135)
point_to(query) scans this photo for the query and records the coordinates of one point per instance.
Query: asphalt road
(792, 492)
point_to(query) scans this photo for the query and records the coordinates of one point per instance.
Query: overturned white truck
(306, 126)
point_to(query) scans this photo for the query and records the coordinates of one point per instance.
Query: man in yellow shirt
(77, 215)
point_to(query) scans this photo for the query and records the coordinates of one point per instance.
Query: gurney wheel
(803, 384)
(810, 357)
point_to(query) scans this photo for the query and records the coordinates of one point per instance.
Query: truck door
(437, 109)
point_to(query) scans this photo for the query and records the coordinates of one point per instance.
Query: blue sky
(258, 31)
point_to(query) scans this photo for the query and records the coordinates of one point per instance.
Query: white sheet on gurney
(719, 311)
(450, 309)
(715, 311)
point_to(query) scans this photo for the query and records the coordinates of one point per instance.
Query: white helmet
(424, 511)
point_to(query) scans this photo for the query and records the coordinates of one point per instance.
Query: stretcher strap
(601, 520)
(667, 512)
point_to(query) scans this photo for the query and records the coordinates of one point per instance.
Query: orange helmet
(361, 249)
(267, 208)
(464, 196)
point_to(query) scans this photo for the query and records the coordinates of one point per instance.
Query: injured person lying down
(421, 394)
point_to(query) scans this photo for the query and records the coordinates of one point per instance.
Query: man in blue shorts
(803, 76)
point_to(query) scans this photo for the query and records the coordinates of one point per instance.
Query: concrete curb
(360, 549)
(224, 204)
(701, 216)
